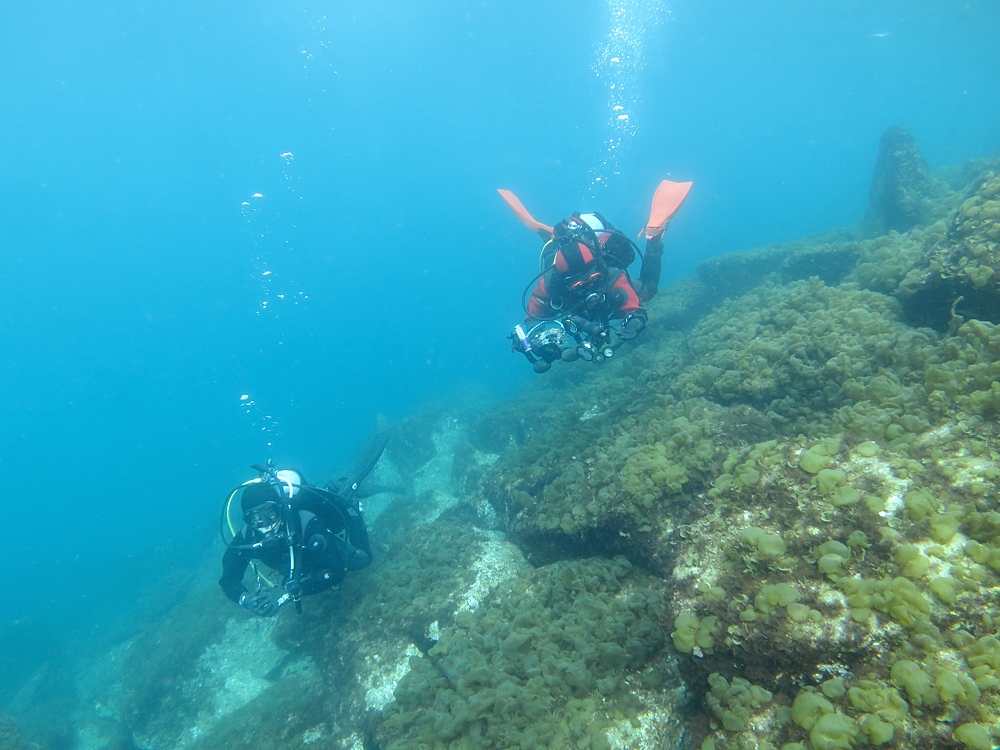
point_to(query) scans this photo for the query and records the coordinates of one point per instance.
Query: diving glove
(632, 328)
(266, 602)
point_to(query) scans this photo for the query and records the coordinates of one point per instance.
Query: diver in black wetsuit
(306, 538)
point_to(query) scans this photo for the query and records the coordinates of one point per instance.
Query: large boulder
(944, 272)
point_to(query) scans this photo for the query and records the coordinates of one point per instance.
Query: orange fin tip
(666, 201)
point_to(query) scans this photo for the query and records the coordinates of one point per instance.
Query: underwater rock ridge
(945, 272)
(832, 567)
(930, 243)
(11, 737)
(902, 188)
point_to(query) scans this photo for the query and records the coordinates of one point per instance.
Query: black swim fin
(369, 456)
(367, 459)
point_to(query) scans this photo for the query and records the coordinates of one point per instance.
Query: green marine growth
(882, 429)
(662, 467)
(974, 736)
(733, 704)
(742, 468)
(543, 666)
(831, 557)
(828, 729)
(817, 458)
(815, 359)
(690, 631)
(768, 545)
(602, 467)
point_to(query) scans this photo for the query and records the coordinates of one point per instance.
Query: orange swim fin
(668, 198)
(522, 213)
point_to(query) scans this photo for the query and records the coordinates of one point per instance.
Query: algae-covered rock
(433, 431)
(829, 256)
(736, 273)
(599, 478)
(944, 271)
(828, 261)
(840, 534)
(806, 353)
(926, 244)
(690, 299)
(734, 703)
(565, 656)
(902, 188)
(160, 689)
(892, 589)
(975, 736)
(319, 678)
(363, 637)
(291, 714)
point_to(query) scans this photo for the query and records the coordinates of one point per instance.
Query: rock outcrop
(902, 190)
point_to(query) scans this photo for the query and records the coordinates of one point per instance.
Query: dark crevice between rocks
(617, 536)
(768, 659)
(931, 306)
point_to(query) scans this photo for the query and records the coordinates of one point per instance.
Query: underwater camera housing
(549, 340)
(543, 342)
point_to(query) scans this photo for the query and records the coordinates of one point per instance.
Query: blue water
(135, 262)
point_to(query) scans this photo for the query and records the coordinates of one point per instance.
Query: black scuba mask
(264, 519)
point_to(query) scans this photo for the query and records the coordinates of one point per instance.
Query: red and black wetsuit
(576, 273)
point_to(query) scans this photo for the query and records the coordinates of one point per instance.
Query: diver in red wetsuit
(583, 284)
(586, 280)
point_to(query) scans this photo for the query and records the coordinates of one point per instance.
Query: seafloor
(772, 523)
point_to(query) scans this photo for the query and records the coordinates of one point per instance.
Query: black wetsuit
(323, 555)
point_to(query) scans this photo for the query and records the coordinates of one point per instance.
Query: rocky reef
(811, 468)
(772, 522)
